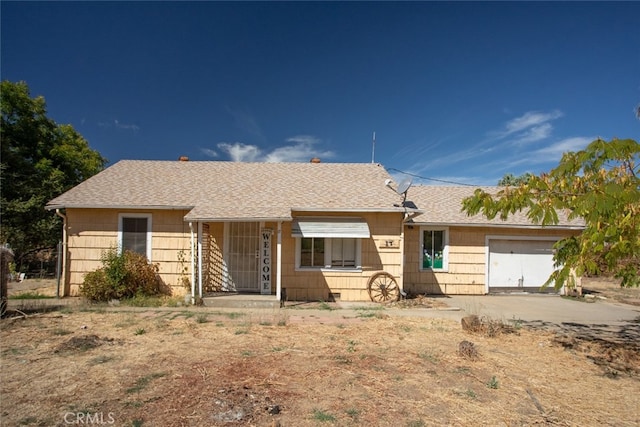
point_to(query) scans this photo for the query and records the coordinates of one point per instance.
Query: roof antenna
(403, 187)
(373, 149)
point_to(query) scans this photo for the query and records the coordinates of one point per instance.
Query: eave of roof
(383, 210)
(494, 225)
(128, 207)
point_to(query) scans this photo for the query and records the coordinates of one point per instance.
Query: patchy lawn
(198, 367)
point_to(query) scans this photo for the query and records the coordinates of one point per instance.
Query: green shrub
(96, 287)
(123, 275)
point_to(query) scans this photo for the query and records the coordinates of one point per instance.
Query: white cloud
(535, 133)
(530, 127)
(116, 124)
(437, 158)
(125, 126)
(556, 149)
(550, 154)
(528, 120)
(303, 139)
(240, 152)
(209, 152)
(301, 148)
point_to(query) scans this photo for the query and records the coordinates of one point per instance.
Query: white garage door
(519, 263)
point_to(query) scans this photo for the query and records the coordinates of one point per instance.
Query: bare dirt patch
(418, 301)
(615, 348)
(609, 288)
(43, 287)
(82, 343)
(201, 367)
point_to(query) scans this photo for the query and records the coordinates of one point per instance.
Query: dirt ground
(205, 367)
(610, 289)
(44, 287)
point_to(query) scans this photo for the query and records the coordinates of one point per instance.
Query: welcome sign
(265, 262)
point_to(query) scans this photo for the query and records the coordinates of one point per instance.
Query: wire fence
(42, 264)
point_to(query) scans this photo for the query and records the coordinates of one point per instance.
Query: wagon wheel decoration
(382, 287)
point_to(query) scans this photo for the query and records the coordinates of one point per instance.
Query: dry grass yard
(198, 367)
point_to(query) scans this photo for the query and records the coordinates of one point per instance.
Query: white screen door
(243, 257)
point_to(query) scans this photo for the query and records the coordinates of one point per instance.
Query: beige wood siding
(381, 252)
(466, 273)
(93, 231)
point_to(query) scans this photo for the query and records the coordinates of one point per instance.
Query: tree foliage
(599, 184)
(511, 179)
(40, 160)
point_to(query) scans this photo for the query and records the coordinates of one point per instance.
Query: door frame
(226, 254)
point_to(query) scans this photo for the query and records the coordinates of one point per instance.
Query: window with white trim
(329, 243)
(324, 252)
(134, 233)
(435, 248)
(312, 252)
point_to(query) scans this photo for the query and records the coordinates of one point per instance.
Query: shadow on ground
(613, 347)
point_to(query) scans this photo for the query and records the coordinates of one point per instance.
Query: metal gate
(243, 256)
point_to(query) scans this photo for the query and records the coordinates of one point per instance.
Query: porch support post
(63, 254)
(402, 260)
(199, 259)
(279, 263)
(193, 265)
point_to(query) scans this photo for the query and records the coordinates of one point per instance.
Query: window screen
(343, 252)
(134, 235)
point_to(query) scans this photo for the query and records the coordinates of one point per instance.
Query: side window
(343, 252)
(319, 252)
(312, 252)
(135, 234)
(434, 249)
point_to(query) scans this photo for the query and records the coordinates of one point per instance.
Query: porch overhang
(238, 213)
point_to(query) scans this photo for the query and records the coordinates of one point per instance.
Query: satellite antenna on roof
(404, 186)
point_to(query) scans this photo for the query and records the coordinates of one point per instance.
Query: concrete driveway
(601, 320)
(544, 308)
(529, 308)
(607, 321)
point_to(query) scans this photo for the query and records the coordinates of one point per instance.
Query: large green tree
(40, 160)
(599, 184)
(511, 179)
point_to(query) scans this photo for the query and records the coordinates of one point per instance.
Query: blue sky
(454, 91)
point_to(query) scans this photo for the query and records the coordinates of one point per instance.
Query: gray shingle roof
(442, 206)
(235, 190)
